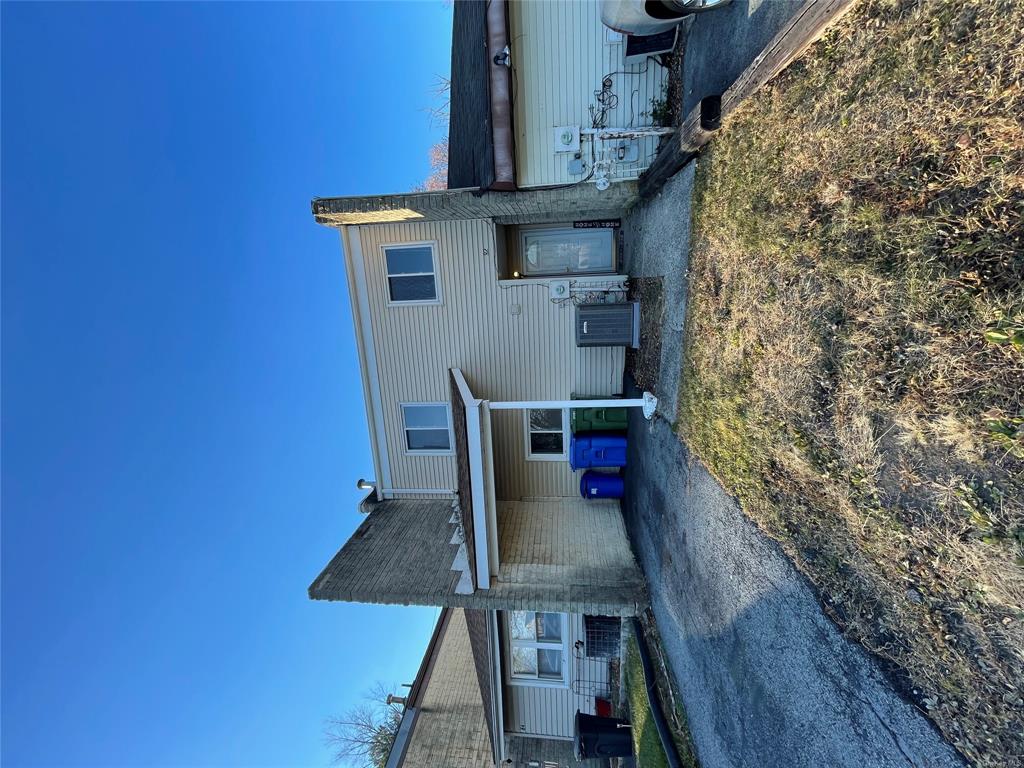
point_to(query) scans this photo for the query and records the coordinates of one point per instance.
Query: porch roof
(405, 552)
(523, 206)
(475, 469)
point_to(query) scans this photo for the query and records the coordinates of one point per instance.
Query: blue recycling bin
(595, 450)
(596, 485)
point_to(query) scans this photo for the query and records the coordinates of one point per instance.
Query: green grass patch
(646, 743)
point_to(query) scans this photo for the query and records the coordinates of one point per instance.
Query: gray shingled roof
(401, 553)
(404, 551)
(444, 723)
(470, 147)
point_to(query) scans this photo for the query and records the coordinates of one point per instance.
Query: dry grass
(857, 279)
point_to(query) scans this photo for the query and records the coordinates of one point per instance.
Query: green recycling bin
(598, 420)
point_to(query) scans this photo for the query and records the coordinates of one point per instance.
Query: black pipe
(660, 723)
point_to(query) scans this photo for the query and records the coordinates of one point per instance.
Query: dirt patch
(855, 343)
(644, 363)
(673, 62)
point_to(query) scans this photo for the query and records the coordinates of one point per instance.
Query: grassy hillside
(855, 361)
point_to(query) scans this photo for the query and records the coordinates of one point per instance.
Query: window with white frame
(427, 427)
(411, 273)
(536, 647)
(545, 434)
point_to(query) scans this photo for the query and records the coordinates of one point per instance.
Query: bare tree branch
(442, 92)
(362, 737)
(439, 113)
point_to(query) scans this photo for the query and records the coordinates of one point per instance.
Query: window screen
(545, 433)
(411, 277)
(426, 427)
(602, 636)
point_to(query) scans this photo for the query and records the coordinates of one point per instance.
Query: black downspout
(660, 723)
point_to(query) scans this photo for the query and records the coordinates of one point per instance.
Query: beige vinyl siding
(505, 356)
(549, 711)
(560, 55)
(515, 477)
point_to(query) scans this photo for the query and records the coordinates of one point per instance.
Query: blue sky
(182, 416)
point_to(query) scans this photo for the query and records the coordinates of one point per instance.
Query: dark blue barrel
(596, 485)
(595, 450)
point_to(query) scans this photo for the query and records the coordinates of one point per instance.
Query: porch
(561, 553)
(557, 554)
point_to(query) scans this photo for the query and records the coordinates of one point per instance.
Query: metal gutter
(401, 744)
(500, 94)
(497, 704)
(352, 248)
(449, 493)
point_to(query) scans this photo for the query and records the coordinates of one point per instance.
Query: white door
(567, 251)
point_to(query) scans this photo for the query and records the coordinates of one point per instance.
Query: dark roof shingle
(470, 146)
(476, 623)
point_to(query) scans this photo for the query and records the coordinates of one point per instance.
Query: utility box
(608, 325)
(567, 138)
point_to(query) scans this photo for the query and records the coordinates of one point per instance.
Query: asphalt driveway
(722, 42)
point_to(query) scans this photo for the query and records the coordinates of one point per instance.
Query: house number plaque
(599, 224)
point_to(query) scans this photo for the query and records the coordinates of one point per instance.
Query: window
(601, 635)
(427, 428)
(566, 251)
(412, 276)
(545, 434)
(536, 647)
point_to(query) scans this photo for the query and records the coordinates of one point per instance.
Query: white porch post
(648, 403)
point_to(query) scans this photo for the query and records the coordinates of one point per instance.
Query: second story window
(411, 273)
(427, 427)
